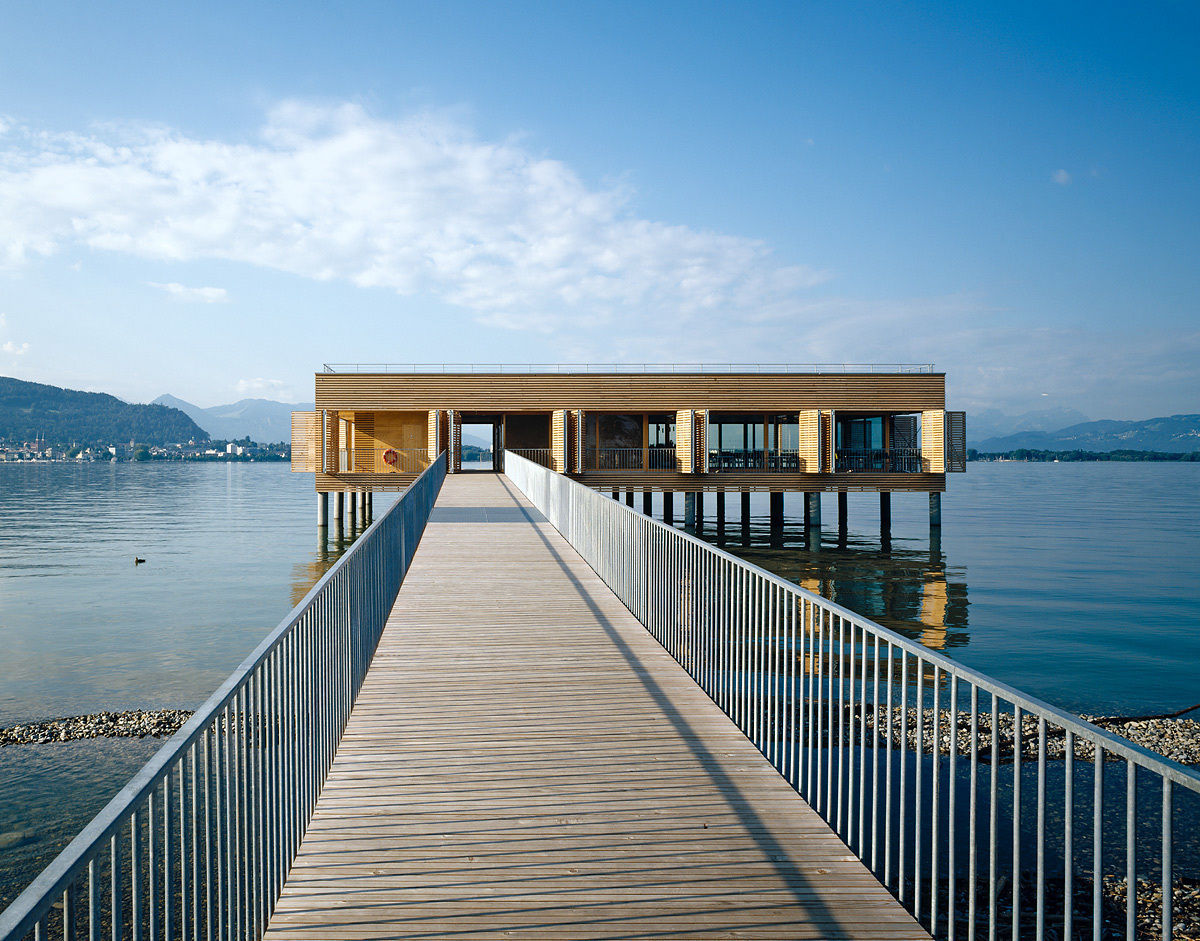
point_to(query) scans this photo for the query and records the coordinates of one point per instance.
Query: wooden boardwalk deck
(525, 761)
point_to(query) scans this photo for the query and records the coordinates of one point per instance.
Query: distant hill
(260, 420)
(993, 423)
(29, 410)
(1177, 433)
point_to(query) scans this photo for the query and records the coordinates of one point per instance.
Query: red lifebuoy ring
(390, 457)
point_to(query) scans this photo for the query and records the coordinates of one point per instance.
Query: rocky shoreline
(136, 723)
(1177, 739)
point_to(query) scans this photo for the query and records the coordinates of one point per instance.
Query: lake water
(1079, 583)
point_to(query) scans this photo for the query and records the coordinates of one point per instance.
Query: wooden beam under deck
(525, 761)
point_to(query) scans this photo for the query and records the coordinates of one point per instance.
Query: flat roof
(627, 368)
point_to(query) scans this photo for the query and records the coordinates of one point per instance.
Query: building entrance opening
(481, 443)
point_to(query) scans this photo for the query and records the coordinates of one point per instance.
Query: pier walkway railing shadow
(199, 843)
(986, 811)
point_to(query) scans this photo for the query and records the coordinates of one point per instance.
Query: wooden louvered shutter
(306, 442)
(700, 457)
(454, 420)
(558, 440)
(578, 427)
(685, 441)
(933, 442)
(829, 442)
(810, 441)
(956, 442)
(332, 442)
(433, 437)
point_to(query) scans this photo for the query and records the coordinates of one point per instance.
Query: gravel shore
(1176, 739)
(138, 723)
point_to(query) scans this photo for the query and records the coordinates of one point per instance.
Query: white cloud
(1062, 177)
(258, 387)
(199, 295)
(419, 205)
(9, 346)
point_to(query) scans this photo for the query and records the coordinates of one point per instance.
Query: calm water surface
(1079, 583)
(229, 549)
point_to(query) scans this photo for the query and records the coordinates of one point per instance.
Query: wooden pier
(525, 761)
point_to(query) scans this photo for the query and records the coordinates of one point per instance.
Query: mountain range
(1177, 433)
(63, 417)
(260, 420)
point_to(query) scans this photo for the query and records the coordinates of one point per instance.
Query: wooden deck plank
(525, 761)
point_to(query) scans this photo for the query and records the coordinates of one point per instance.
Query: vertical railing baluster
(93, 902)
(1040, 888)
(1016, 823)
(935, 844)
(151, 868)
(887, 788)
(1168, 875)
(117, 889)
(973, 800)
(951, 805)
(918, 809)
(875, 761)
(1130, 849)
(993, 785)
(1097, 840)
(901, 838)
(135, 876)
(1068, 834)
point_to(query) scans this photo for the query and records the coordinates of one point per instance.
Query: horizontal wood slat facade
(632, 392)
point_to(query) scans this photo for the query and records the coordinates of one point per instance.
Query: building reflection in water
(331, 544)
(906, 586)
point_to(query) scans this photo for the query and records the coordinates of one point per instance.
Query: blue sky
(212, 200)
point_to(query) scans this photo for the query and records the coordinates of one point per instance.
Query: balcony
(879, 460)
(785, 461)
(629, 459)
(383, 460)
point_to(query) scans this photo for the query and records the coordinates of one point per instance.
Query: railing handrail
(1180, 774)
(23, 913)
(628, 368)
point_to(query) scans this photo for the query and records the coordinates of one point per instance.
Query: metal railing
(629, 459)
(383, 460)
(985, 811)
(627, 368)
(199, 843)
(887, 460)
(613, 459)
(779, 461)
(543, 457)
